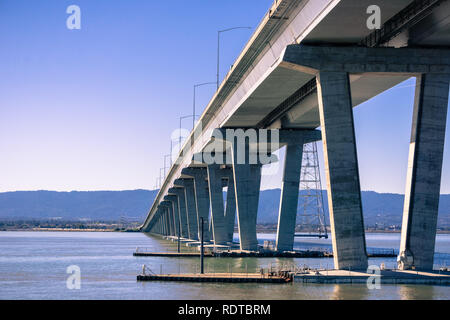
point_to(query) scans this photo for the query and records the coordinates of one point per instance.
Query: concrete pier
(167, 220)
(174, 210)
(294, 141)
(424, 172)
(289, 196)
(218, 222)
(179, 192)
(341, 168)
(164, 205)
(170, 215)
(230, 208)
(247, 179)
(162, 225)
(201, 198)
(247, 164)
(191, 208)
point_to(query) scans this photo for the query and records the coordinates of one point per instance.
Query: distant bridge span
(307, 64)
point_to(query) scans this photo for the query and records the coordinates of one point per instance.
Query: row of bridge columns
(193, 197)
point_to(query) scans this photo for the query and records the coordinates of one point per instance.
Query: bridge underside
(334, 69)
(311, 86)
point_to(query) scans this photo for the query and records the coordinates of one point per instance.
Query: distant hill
(378, 208)
(381, 208)
(94, 205)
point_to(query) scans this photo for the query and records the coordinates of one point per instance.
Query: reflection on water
(349, 291)
(409, 292)
(33, 266)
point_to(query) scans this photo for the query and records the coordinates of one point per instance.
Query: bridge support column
(163, 222)
(173, 199)
(230, 209)
(166, 221)
(165, 207)
(287, 214)
(179, 192)
(247, 182)
(247, 179)
(170, 213)
(156, 229)
(156, 226)
(201, 198)
(424, 172)
(160, 230)
(160, 227)
(341, 168)
(191, 211)
(250, 149)
(191, 208)
(218, 222)
(153, 227)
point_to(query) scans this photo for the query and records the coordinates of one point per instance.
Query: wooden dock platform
(219, 277)
(246, 254)
(237, 254)
(171, 254)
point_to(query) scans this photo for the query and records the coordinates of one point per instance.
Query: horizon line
(150, 190)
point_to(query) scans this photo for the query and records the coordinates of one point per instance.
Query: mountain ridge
(379, 208)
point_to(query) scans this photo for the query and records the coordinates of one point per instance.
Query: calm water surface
(33, 266)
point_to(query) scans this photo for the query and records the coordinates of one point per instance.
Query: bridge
(306, 66)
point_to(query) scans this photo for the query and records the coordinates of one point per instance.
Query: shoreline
(65, 230)
(134, 231)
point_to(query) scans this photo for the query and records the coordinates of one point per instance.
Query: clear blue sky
(93, 109)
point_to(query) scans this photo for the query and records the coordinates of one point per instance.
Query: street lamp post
(218, 48)
(160, 177)
(181, 118)
(165, 166)
(193, 108)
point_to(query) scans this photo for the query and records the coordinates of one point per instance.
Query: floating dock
(236, 254)
(255, 254)
(171, 254)
(219, 277)
(385, 276)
